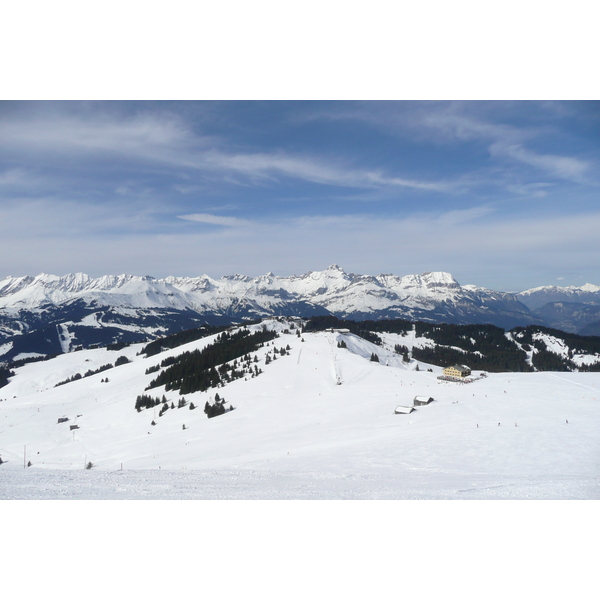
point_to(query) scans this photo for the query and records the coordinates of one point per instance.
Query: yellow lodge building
(457, 371)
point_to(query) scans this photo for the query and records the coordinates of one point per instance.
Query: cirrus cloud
(215, 220)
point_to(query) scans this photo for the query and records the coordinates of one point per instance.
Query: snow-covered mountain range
(48, 313)
(332, 290)
(537, 297)
(570, 308)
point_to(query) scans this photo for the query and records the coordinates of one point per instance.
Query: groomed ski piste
(317, 423)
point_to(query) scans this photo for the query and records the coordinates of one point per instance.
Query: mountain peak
(435, 279)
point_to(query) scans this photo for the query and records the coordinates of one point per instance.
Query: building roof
(404, 409)
(423, 399)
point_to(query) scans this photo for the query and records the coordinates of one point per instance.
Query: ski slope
(318, 423)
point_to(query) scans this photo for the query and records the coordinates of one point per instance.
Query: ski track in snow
(594, 389)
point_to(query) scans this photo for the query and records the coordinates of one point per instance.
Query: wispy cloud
(455, 217)
(533, 190)
(138, 136)
(451, 122)
(165, 139)
(505, 141)
(215, 220)
(13, 177)
(564, 167)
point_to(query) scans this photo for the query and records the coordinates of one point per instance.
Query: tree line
(122, 360)
(481, 346)
(180, 338)
(196, 370)
(5, 373)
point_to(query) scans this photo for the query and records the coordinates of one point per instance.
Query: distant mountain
(574, 317)
(537, 297)
(573, 309)
(591, 329)
(49, 314)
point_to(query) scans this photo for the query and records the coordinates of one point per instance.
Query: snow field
(295, 426)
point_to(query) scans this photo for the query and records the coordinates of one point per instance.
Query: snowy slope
(322, 410)
(557, 346)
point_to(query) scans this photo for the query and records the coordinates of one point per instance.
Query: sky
(502, 194)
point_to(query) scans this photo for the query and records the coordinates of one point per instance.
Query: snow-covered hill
(319, 419)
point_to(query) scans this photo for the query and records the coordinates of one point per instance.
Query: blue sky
(501, 194)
